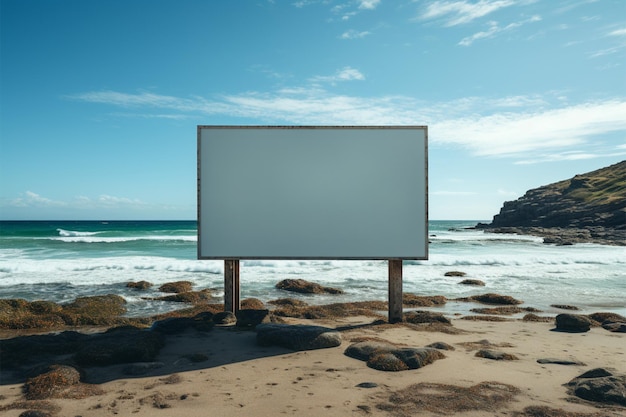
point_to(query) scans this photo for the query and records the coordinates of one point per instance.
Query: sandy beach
(225, 372)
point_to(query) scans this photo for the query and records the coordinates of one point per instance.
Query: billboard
(312, 192)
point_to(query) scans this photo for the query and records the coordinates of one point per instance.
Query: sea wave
(63, 232)
(105, 239)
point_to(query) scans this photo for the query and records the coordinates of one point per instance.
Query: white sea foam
(91, 238)
(63, 232)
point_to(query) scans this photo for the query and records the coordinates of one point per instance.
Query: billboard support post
(395, 290)
(231, 285)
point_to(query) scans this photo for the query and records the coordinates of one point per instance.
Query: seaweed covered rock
(94, 310)
(418, 317)
(140, 285)
(176, 287)
(50, 383)
(306, 287)
(491, 298)
(413, 300)
(385, 356)
(297, 337)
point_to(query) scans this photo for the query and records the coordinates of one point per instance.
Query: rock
(586, 208)
(492, 298)
(35, 413)
(495, 355)
(413, 300)
(363, 350)
(615, 327)
(386, 356)
(119, 346)
(600, 385)
(417, 317)
(475, 282)
(602, 317)
(367, 385)
(595, 373)
(564, 307)
(554, 361)
(441, 346)
(252, 304)
(141, 285)
(536, 318)
(224, 317)
(297, 337)
(454, 274)
(572, 323)
(97, 306)
(172, 325)
(251, 318)
(305, 287)
(176, 287)
(50, 383)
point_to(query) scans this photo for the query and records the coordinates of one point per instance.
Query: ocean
(62, 260)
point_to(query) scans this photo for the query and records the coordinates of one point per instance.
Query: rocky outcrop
(589, 207)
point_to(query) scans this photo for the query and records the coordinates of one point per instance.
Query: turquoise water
(59, 261)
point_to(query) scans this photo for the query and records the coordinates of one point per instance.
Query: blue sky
(100, 100)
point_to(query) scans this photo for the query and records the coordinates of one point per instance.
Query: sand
(240, 378)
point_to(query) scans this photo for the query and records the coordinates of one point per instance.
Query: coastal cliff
(589, 207)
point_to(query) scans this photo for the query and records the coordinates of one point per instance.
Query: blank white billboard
(312, 192)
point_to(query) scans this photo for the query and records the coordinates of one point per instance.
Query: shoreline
(224, 369)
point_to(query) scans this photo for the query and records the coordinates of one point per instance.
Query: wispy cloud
(459, 12)
(30, 199)
(353, 34)
(515, 126)
(495, 29)
(618, 32)
(344, 74)
(368, 4)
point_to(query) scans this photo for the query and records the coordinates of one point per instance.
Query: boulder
(454, 274)
(49, 383)
(384, 356)
(297, 337)
(572, 323)
(418, 317)
(176, 287)
(305, 287)
(224, 317)
(616, 327)
(248, 318)
(491, 298)
(600, 385)
(140, 285)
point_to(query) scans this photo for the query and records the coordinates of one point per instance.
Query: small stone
(367, 385)
(495, 355)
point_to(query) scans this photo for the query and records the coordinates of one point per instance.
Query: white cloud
(31, 199)
(618, 32)
(368, 4)
(344, 74)
(515, 126)
(462, 11)
(353, 34)
(495, 29)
